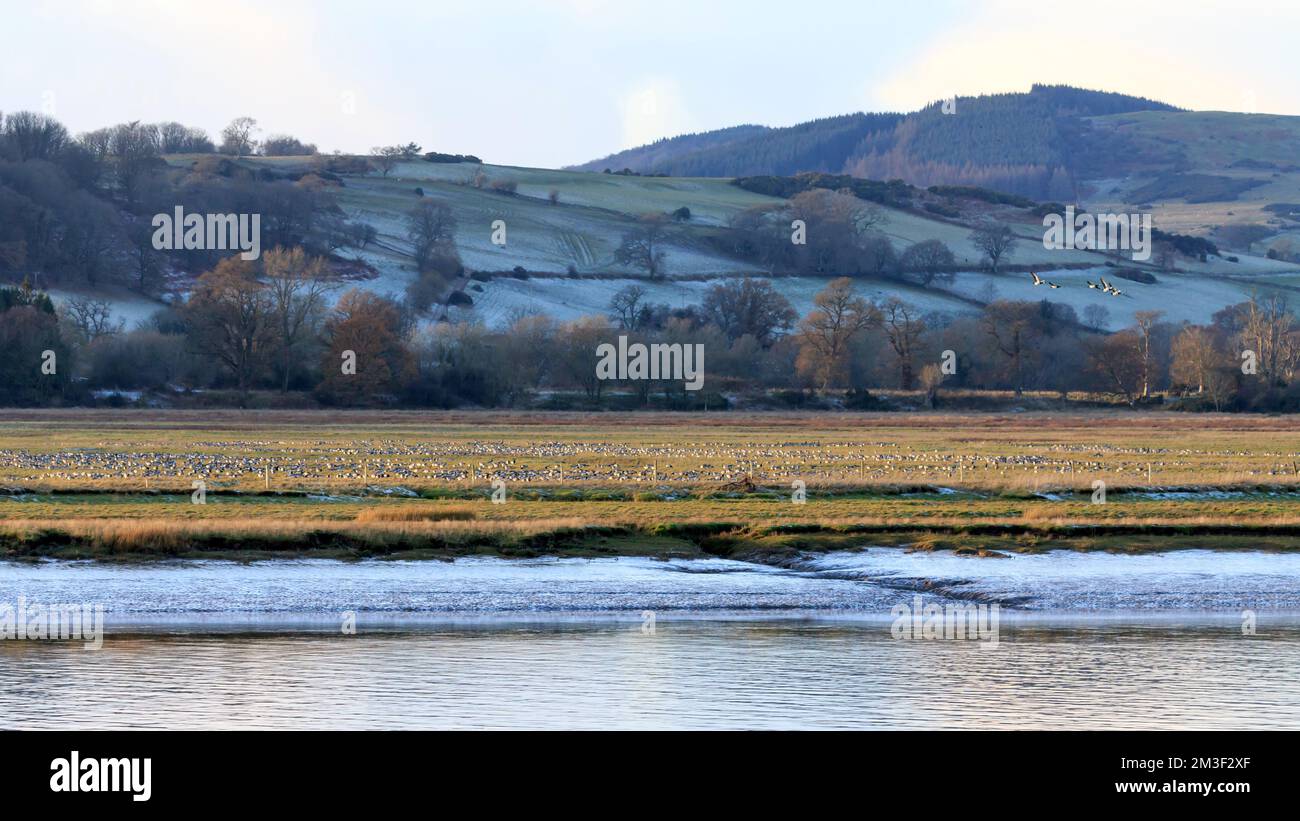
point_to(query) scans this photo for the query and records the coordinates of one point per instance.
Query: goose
(1037, 281)
(1093, 285)
(1053, 285)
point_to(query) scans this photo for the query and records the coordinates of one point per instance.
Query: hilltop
(1035, 144)
(1198, 171)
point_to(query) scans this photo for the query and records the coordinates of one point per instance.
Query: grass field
(583, 231)
(119, 483)
(596, 209)
(1218, 144)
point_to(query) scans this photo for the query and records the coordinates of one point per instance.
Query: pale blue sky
(560, 82)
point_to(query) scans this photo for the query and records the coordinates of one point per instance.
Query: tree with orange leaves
(366, 357)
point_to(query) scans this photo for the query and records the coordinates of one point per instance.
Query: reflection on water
(686, 675)
(1088, 640)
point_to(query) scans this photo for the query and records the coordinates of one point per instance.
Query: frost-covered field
(712, 201)
(539, 236)
(1181, 296)
(595, 210)
(1189, 297)
(566, 299)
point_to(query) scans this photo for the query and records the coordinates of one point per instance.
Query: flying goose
(1037, 281)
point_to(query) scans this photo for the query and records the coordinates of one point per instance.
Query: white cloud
(1198, 57)
(651, 110)
(202, 64)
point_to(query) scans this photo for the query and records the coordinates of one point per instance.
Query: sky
(556, 82)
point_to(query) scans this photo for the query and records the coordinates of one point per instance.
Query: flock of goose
(1104, 286)
(302, 465)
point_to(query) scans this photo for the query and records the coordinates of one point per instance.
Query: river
(1183, 639)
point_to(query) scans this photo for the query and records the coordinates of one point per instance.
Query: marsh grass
(173, 537)
(977, 481)
(234, 538)
(413, 513)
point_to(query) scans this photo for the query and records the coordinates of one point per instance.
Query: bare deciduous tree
(1096, 317)
(838, 316)
(1012, 327)
(386, 157)
(237, 138)
(928, 260)
(626, 307)
(298, 288)
(903, 327)
(748, 307)
(92, 318)
(1111, 359)
(34, 136)
(1195, 356)
(1269, 330)
(841, 235)
(229, 317)
(431, 227)
(1146, 322)
(931, 379)
(642, 247)
(369, 328)
(995, 241)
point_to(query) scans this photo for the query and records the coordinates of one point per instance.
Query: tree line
(77, 211)
(285, 329)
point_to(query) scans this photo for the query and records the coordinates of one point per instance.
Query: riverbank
(252, 539)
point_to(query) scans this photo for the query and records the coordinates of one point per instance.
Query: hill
(1229, 176)
(1209, 175)
(1220, 174)
(563, 228)
(1019, 143)
(567, 249)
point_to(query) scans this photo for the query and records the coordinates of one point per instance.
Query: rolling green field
(583, 231)
(82, 483)
(601, 206)
(1219, 144)
(568, 249)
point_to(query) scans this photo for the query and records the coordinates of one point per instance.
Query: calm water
(1087, 641)
(686, 675)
